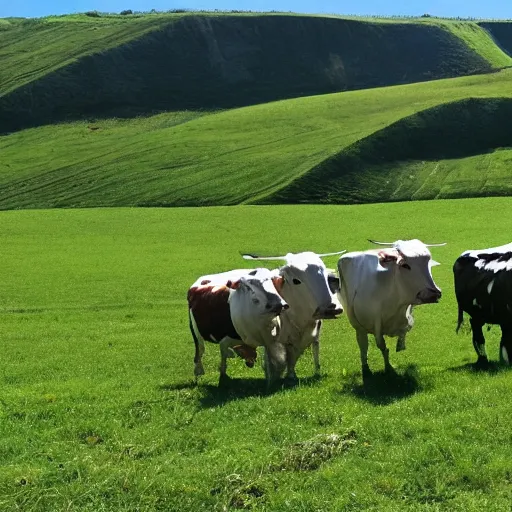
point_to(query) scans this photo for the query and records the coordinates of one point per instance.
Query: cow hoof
(291, 381)
(482, 363)
(224, 380)
(367, 373)
(389, 370)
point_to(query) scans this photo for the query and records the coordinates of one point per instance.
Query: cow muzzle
(277, 309)
(330, 312)
(428, 296)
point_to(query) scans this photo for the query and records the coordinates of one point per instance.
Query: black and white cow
(483, 287)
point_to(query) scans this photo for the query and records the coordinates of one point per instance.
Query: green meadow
(280, 126)
(98, 406)
(286, 151)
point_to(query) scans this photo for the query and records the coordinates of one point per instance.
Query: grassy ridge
(96, 404)
(57, 70)
(479, 38)
(237, 156)
(391, 164)
(502, 34)
(32, 48)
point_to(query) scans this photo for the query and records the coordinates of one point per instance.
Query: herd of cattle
(282, 309)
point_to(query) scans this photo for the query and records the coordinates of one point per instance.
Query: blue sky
(447, 8)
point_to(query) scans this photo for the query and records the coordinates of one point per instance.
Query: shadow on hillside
(236, 389)
(383, 388)
(244, 60)
(491, 367)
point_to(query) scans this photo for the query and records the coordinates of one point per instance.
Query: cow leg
(274, 362)
(315, 347)
(362, 341)
(506, 344)
(292, 354)
(400, 343)
(225, 353)
(381, 343)
(199, 343)
(479, 341)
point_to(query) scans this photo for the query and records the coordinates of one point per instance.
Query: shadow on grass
(236, 389)
(383, 388)
(178, 386)
(491, 367)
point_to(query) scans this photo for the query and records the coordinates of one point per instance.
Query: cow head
(257, 295)
(412, 262)
(306, 285)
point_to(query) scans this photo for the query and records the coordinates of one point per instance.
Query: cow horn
(331, 253)
(254, 257)
(380, 243)
(435, 245)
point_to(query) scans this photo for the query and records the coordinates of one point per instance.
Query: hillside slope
(501, 32)
(252, 154)
(453, 150)
(58, 70)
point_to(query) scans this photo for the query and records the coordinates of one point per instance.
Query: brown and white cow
(308, 288)
(239, 310)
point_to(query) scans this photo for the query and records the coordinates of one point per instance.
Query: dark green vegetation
(56, 69)
(502, 34)
(337, 143)
(97, 407)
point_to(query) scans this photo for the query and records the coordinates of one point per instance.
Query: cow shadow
(213, 395)
(383, 388)
(492, 367)
(178, 386)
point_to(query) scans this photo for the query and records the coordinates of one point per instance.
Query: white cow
(378, 289)
(306, 288)
(239, 310)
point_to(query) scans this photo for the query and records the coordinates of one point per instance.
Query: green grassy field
(97, 406)
(244, 155)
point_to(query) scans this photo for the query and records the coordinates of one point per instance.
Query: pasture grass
(99, 411)
(244, 155)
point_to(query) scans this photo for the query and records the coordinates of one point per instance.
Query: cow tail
(460, 319)
(199, 345)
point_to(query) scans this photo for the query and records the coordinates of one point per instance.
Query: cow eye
(296, 281)
(255, 300)
(407, 266)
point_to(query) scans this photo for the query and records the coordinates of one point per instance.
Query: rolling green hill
(63, 68)
(453, 150)
(252, 154)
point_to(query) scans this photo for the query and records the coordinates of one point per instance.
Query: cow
(483, 288)
(378, 289)
(239, 310)
(308, 289)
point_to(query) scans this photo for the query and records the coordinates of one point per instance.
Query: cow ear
(387, 256)
(234, 285)
(278, 283)
(434, 263)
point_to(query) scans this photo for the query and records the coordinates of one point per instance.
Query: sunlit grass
(97, 404)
